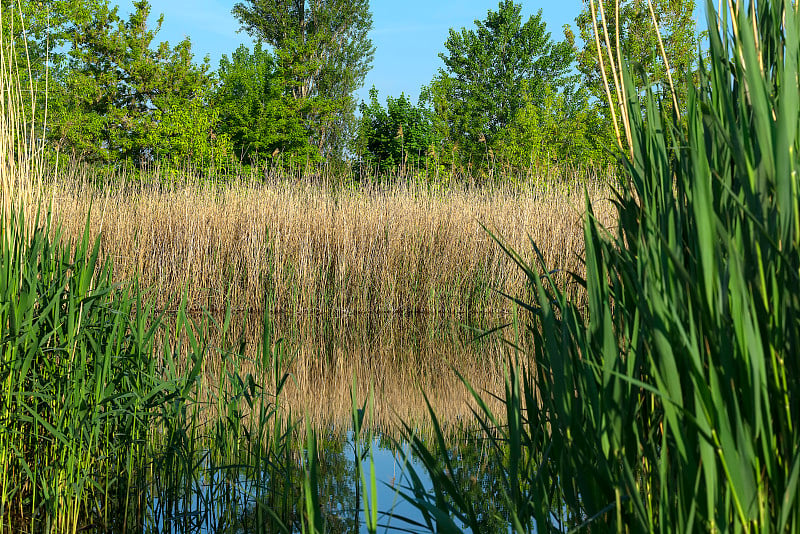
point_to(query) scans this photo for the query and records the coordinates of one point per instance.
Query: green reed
(108, 417)
(72, 364)
(670, 402)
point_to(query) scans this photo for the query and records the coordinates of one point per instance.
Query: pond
(218, 504)
(391, 365)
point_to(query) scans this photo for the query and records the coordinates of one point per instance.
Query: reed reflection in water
(396, 357)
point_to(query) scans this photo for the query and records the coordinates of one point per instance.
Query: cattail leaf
(788, 501)
(787, 111)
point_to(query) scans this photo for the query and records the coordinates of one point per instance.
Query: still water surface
(391, 360)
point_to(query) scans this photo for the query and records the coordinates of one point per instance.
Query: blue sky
(408, 34)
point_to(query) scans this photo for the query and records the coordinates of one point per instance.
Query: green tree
(565, 129)
(630, 30)
(255, 113)
(187, 134)
(323, 53)
(400, 134)
(40, 31)
(489, 73)
(119, 98)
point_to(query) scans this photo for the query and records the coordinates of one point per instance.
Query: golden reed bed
(395, 358)
(313, 248)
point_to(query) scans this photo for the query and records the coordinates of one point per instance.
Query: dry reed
(396, 358)
(21, 161)
(392, 249)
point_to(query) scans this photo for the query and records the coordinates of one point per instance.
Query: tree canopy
(254, 112)
(121, 98)
(507, 92)
(323, 52)
(401, 134)
(491, 71)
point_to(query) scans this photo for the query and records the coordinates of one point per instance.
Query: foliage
(109, 417)
(564, 129)
(488, 72)
(39, 32)
(669, 403)
(639, 45)
(323, 52)
(399, 135)
(71, 356)
(118, 98)
(259, 118)
(188, 135)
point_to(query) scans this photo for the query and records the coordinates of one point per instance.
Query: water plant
(670, 403)
(393, 248)
(108, 416)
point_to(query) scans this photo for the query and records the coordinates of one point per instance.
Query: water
(202, 511)
(222, 502)
(390, 361)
